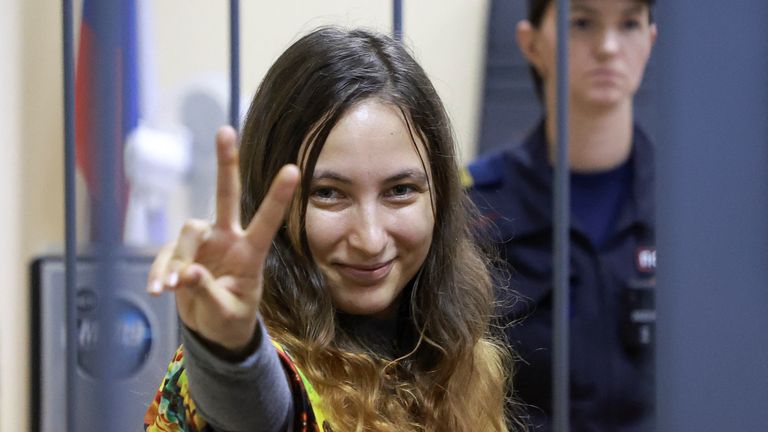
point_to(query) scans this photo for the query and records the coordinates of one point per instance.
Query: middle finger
(269, 217)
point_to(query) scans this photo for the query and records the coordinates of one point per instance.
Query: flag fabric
(106, 106)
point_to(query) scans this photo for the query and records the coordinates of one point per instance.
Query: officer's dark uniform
(611, 307)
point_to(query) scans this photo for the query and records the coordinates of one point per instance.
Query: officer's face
(610, 42)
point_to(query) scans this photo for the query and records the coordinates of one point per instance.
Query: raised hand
(216, 270)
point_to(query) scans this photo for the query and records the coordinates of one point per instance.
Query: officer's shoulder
(487, 171)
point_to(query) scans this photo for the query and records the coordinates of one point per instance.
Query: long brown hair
(452, 375)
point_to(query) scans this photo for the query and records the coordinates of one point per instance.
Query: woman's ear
(654, 33)
(527, 42)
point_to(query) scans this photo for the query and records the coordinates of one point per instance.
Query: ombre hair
(452, 374)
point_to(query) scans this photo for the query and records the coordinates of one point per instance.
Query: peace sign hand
(217, 270)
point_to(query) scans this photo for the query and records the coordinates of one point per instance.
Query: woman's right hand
(216, 269)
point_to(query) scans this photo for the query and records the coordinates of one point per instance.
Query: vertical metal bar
(397, 19)
(712, 183)
(561, 342)
(108, 97)
(70, 226)
(234, 63)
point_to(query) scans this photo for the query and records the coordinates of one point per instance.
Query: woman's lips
(605, 74)
(365, 274)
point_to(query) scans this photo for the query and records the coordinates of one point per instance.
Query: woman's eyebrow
(410, 174)
(634, 9)
(330, 175)
(581, 8)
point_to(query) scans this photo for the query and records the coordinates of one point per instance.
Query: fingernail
(173, 279)
(155, 287)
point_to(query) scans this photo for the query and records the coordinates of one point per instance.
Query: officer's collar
(539, 174)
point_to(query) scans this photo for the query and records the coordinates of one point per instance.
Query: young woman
(349, 294)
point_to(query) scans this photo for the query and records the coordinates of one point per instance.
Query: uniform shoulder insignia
(466, 177)
(485, 171)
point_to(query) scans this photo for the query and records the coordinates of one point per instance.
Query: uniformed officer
(613, 256)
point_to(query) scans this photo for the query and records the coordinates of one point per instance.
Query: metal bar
(561, 342)
(109, 100)
(70, 226)
(711, 351)
(397, 19)
(234, 64)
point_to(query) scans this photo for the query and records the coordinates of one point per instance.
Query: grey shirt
(249, 396)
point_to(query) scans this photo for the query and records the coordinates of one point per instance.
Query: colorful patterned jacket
(173, 410)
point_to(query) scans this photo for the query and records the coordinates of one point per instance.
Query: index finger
(269, 217)
(227, 179)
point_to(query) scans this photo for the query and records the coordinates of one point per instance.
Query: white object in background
(155, 164)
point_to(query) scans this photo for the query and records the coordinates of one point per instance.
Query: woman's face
(610, 42)
(369, 218)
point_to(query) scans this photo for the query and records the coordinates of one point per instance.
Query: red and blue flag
(106, 102)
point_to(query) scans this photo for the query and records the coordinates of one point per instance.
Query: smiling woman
(369, 218)
(372, 298)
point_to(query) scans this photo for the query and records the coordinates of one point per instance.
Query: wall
(453, 59)
(12, 317)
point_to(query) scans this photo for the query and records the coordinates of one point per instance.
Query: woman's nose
(608, 43)
(368, 234)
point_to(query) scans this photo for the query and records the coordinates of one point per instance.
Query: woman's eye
(402, 191)
(581, 23)
(630, 24)
(326, 193)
